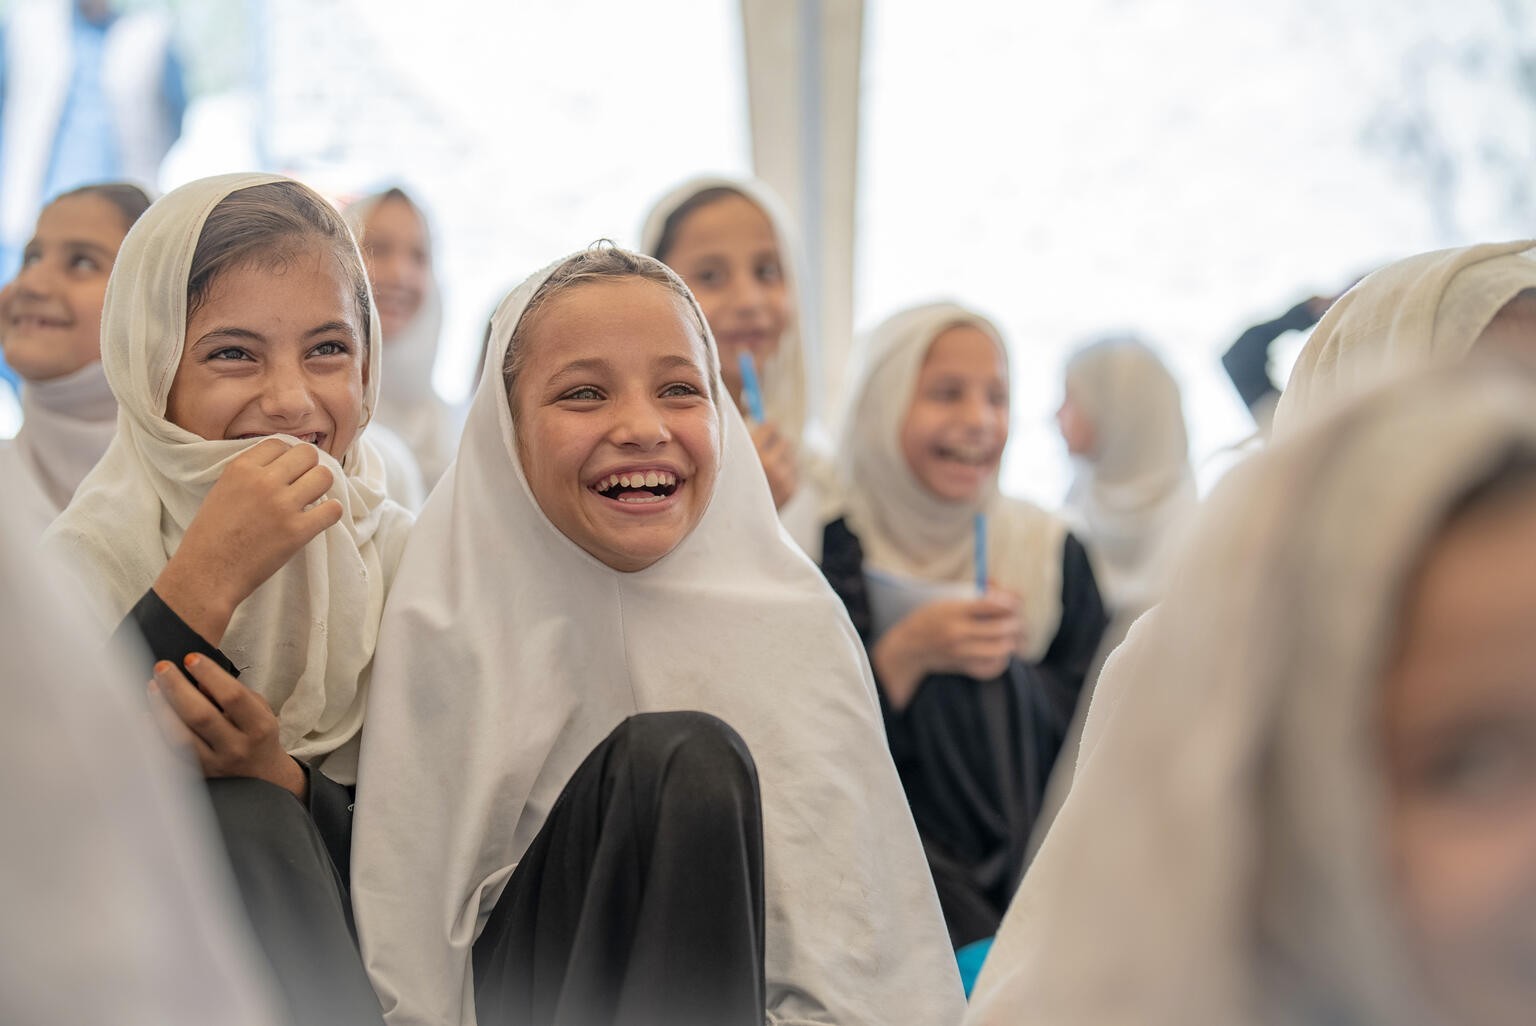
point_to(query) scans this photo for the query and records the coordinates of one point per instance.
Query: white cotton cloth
(408, 405)
(907, 531)
(119, 906)
(1223, 856)
(1427, 310)
(782, 378)
(508, 653)
(1133, 495)
(304, 639)
(67, 424)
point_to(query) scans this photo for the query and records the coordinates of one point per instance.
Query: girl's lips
(638, 502)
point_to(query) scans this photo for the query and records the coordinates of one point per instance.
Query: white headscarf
(907, 531)
(68, 423)
(783, 375)
(1427, 310)
(1136, 489)
(112, 873)
(408, 405)
(472, 734)
(305, 637)
(1222, 857)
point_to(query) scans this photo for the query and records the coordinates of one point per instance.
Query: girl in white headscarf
(977, 689)
(1428, 310)
(239, 521)
(50, 329)
(397, 249)
(732, 242)
(1318, 805)
(1133, 489)
(599, 549)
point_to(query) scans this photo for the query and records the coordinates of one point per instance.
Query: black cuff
(167, 635)
(330, 806)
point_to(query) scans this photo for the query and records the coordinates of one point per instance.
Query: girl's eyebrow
(248, 335)
(588, 365)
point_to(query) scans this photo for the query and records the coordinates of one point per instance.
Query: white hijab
(409, 406)
(1427, 310)
(112, 873)
(471, 736)
(68, 423)
(1222, 857)
(1137, 490)
(907, 531)
(305, 638)
(783, 377)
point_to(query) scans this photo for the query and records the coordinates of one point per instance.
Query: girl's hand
(229, 728)
(975, 637)
(778, 459)
(254, 519)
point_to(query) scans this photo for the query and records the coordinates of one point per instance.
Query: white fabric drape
(305, 637)
(783, 377)
(119, 906)
(907, 531)
(508, 653)
(1136, 490)
(1222, 857)
(1427, 310)
(68, 423)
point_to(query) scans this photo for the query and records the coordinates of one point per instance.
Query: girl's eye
(998, 398)
(945, 394)
(30, 257)
(84, 263)
(583, 393)
(330, 349)
(709, 277)
(679, 388)
(229, 353)
(1485, 766)
(770, 272)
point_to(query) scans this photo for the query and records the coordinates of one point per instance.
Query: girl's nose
(639, 423)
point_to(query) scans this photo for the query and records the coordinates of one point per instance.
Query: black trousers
(640, 901)
(296, 902)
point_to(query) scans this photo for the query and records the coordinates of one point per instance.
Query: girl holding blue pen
(730, 242)
(979, 611)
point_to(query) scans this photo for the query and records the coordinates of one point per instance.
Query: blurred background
(1181, 169)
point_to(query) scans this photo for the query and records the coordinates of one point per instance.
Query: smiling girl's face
(275, 347)
(957, 424)
(728, 254)
(53, 316)
(618, 436)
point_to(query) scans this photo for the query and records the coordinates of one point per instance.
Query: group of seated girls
(592, 741)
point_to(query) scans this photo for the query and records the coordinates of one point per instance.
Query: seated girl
(393, 234)
(238, 521)
(978, 690)
(599, 550)
(1133, 489)
(1318, 803)
(50, 330)
(731, 242)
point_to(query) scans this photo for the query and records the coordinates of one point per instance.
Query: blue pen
(981, 553)
(751, 391)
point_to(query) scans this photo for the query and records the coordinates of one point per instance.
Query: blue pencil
(981, 553)
(751, 391)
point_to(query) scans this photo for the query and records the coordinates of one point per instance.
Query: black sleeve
(1064, 669)
(1247, 362)
(330, 806)
(842, 563)
(167, 635)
